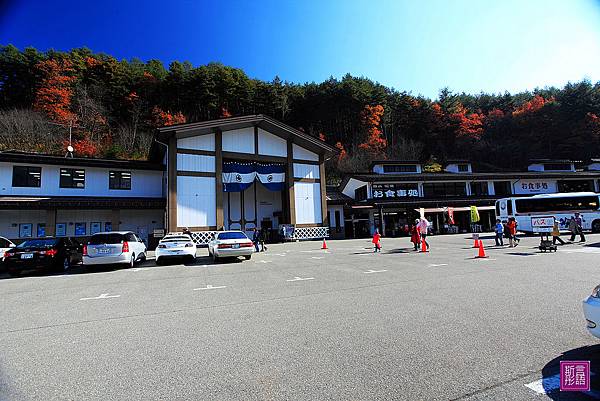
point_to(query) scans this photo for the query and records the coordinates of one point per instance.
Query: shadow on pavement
(402, 250)
(552, 369)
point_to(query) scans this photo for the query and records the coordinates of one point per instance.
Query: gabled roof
(265, 122)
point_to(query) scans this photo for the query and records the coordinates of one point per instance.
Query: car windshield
(175, 239)
(233, 235)
(39, 243)
(106, 239)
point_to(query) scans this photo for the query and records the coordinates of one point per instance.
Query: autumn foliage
(163, 118)
(53, 96)
(371, 120)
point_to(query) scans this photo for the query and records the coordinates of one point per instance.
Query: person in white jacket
(423, 230)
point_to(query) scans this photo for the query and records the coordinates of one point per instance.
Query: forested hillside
(114, 106)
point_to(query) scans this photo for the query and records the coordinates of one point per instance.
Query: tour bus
(562, 206)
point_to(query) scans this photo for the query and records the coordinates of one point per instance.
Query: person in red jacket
(377, 240)
(415, 236)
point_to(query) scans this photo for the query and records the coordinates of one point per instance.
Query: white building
(242, 173)
(44, 195)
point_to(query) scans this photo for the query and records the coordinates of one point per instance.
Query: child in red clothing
(377, 241)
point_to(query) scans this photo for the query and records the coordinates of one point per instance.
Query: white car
(591, 311)
(115, 247)
(5, 245)
(175, 246)
(227, 244)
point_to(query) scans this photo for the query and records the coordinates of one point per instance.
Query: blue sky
(413, 45)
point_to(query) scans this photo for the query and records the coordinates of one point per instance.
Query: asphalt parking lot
(298, 323)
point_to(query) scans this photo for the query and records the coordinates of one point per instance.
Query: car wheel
(596, 226)
(191, 259)
(159, 261)
(247, 257)
(14, 273)
(215, 258)
(143, 257)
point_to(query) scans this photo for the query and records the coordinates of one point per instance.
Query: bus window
(509, 207)
(558, 204)
(498, 209)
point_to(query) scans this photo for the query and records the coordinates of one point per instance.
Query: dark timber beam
(219, 178)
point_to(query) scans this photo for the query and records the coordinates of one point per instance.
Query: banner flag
(474, 214)
(238, 177)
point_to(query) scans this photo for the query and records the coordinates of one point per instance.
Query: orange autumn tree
(54, 94)
(469, 125)
(161, 118)
(370, 117)
(532, 106)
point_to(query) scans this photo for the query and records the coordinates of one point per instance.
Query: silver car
(116, 247)
(230, 244)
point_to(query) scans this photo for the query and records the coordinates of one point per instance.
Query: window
(479, 188)
(25, 230)
(566, 204)
(502, 188)
(557, 167)
(360, 194)
(130, 237)
(72, 178)
(399, 168)
(233, 235)
(444, 189)
(463, 168)
(80, 228)
(98, 239)
(25, 176)
(41, 230)
(4, 243)
(119, 180)
(576, 186)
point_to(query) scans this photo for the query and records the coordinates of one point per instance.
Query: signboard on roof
(393, 191)
(531, 187)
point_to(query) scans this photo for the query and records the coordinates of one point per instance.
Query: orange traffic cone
(324, 244)
(476, 244)
(481, 253)
(423, 246)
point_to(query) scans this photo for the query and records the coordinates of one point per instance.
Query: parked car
(114, 248)
(226, 244)
(5, 245)
(175, 246)
(591, 311)
(48, 254)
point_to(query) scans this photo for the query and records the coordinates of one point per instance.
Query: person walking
(423, 230)
(415, 237)
(256, 238)
(556, 234)
(579, 227)
(262, 238)
(499, 228)
(512, 229)
(377, 241)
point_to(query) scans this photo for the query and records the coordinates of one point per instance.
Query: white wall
(453, 168)
(306, 171)
(141, 222)
(271, 145)
(200, 142)
(144, 183)
(239, 140)
(332, 209)
(303, 154)
(196, 201)
(308, 202)
(200, 163)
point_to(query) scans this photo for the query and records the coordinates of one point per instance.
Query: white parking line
(374, 271)
(551, 384)
(301, 279)
(262, 261)
(210, 287)
(101, 296)
(438, 265)
(318, 257)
